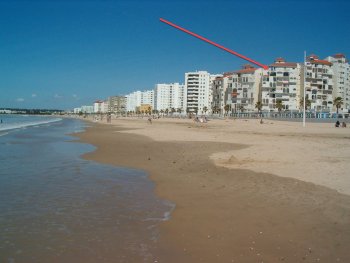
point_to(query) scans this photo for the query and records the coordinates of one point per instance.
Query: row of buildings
(282, 83)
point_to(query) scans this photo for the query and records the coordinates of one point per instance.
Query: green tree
(338, 101)
(279, 105)
(258, 106)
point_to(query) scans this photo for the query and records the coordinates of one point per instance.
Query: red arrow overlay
(213, 43)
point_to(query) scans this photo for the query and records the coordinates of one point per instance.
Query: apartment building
(147, 98)
(117, 104)
(168, 96)
(341, 79)
(221, 92)
(244, 88)
(198, 91)
(319, 83)
(281, 83)
(133, 100)
(100, 106)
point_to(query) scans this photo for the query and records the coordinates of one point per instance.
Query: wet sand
(227, 210)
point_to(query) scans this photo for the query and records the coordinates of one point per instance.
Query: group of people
(201, 119)
(337, 124)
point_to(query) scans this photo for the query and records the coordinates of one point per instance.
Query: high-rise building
(117, 104)
(133, 100)
(221, 93)
(245, 88)
(169, 96)
(319, 84)
(281, 83)
(341, 79)
(100, 106)
(147, 98)
(198, 92)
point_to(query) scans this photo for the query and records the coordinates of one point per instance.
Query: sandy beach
(244, 191)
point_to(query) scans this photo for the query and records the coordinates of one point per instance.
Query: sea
(57, 207)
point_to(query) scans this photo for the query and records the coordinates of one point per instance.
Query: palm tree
(241, 108)
(258, 105)
(338, 101)
(279, 105)
(149, 110)
(172, 111)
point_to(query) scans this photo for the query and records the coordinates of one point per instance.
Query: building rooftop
(339, 55)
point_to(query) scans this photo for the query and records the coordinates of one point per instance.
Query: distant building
(147, 97)
(144, 109)
(198, 92)
(100, 106)
(281, 83)
(341, 79)
(117, 104)
(169, 96)
(77, 110)
(220, 94)
(244, 86)
(135, 99)
(87, 109)
(319, 84)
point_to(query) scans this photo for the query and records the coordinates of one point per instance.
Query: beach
(244, 191)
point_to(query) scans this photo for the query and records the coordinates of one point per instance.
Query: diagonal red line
(213, 43)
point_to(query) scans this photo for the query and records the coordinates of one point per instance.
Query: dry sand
(244, 192)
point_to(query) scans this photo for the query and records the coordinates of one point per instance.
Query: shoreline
(224, 211)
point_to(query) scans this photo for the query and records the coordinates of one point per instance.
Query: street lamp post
(304, 124)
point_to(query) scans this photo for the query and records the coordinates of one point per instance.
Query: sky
(64, 54)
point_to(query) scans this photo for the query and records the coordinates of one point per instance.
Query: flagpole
(304, 90)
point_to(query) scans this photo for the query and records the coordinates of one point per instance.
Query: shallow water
(57, 207)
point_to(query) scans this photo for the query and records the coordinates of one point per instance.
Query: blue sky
(63, 54)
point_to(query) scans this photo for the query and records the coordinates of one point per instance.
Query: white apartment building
(100, 106)
(198, 91)
(244, 88)
(147, 98)
(133, 100)
(281, 83)
(168, 96)
(341, 79)
(221, 92)
(87, 109)
(319, 84)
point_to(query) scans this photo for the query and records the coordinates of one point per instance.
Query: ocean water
(57, 207)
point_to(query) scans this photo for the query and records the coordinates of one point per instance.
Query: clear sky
(63, 54)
